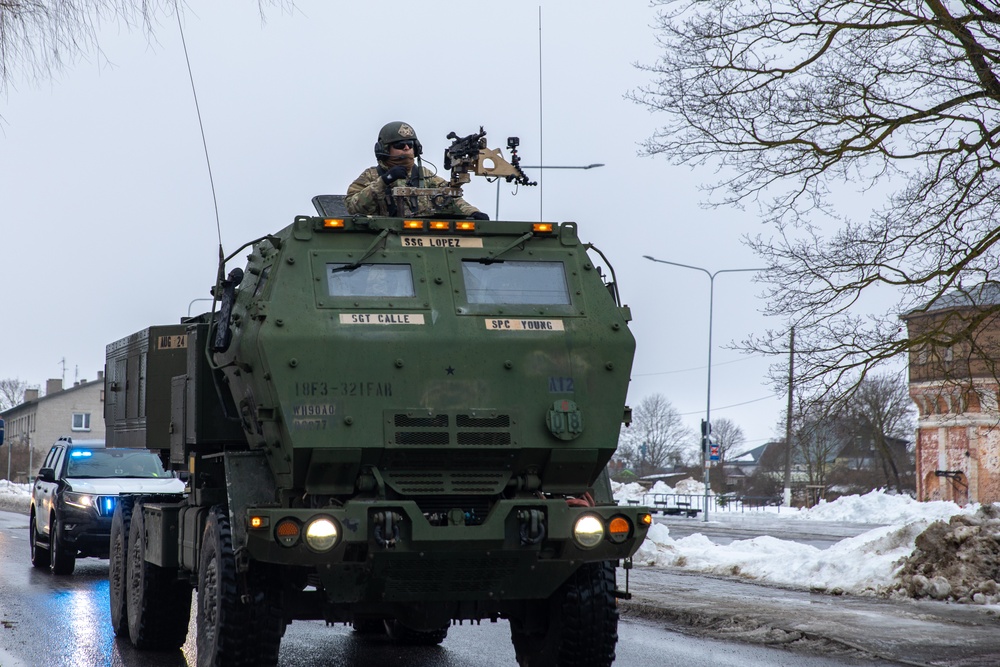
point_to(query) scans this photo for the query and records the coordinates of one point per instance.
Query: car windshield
(102, 463)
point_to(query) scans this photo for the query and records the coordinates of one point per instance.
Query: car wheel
(39, 554)
(63, 555)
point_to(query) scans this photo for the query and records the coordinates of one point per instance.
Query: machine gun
(470, 154)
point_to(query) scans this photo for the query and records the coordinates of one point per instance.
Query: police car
(74, 497)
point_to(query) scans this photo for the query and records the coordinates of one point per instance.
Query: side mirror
(47, 475)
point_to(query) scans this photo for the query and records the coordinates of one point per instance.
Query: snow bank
(933, 549)
(15, 497)
(879, 507)
(866, 564)
(957, 559)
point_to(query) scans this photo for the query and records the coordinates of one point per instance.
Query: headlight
(321, 534)
(81, 500)
(588, 531)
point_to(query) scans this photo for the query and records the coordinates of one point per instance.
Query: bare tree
(728, 436)
(38, 37)
(879, 412)
(804, 104)
(11, 392)
(656, 438)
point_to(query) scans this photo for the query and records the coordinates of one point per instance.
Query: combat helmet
(395, 131)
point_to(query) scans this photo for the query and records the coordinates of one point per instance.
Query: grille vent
(483, 438)
(437, 421)
(466, 421)
(437, 430)
(452, 482)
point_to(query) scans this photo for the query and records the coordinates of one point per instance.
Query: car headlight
(81, 500)
(588, 531)
(321, 534)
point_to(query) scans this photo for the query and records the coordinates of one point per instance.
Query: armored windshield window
(395, 280)
(529, 283)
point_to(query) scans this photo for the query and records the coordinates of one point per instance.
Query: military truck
(395, 423)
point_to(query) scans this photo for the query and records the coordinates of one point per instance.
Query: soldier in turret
(397, 153)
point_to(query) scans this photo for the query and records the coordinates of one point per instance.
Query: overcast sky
(106, 207)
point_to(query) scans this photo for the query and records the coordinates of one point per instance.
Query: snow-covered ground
(870, 563)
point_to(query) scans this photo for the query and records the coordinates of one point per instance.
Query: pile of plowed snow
(957, 559)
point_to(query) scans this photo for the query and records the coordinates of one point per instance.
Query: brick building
(954, 383)
(77, 412)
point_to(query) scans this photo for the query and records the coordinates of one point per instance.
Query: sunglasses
(402, 145)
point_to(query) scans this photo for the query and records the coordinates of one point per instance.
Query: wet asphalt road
(64, 621)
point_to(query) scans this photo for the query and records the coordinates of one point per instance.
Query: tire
(222, 620)
(576, 627)
(40, 555)
(369, 626)
(267, 623)
(406, 636)
(63, 556)
(159, 605)
(118, 566)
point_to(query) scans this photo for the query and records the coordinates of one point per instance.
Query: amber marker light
(619, 529)
(333, 223)
(542, 227)
(440, 225)
(258, 522)
(287, 532)
(465, 226)
(413, 224)
(646, 519)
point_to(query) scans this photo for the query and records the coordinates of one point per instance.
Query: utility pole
(788, 421)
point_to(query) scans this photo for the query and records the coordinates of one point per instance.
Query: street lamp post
(706, 437)
(496, 215)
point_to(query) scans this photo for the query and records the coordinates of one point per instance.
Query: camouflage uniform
(368, 195)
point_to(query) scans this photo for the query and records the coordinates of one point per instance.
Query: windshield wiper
(521, 239)
(367, 253)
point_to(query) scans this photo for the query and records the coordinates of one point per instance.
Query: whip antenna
(201, 126)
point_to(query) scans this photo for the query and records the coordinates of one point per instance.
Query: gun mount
(470, 154)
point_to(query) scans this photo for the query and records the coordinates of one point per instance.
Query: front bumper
(84, 530)
(490, 561)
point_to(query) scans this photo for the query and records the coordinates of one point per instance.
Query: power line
(698, 368)
(734, 405)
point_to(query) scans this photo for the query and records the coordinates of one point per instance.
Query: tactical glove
(394, 174)
(479, 215)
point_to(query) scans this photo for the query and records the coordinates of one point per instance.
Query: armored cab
(396, 423)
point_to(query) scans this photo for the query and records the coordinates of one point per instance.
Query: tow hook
(532, 526)
(386, 529)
